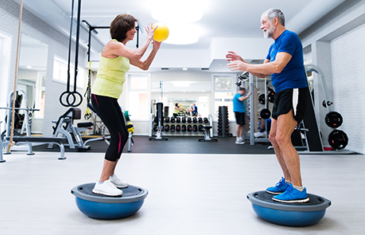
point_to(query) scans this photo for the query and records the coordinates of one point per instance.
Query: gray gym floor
(188, 193)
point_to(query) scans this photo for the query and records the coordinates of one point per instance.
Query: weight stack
(223, 121)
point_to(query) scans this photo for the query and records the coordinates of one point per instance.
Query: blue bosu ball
(289, 214)
(104, 207)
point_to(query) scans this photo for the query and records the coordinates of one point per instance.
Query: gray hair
(272, 13)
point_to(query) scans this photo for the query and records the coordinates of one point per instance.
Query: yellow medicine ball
(161, 33)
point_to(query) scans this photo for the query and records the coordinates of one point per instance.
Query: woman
(176, 110)
(114, 63)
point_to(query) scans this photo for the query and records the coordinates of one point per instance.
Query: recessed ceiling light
(29, 67)
(185, 68)
(182, 34)
(177, 11)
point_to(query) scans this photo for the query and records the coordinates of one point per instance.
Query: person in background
(194, 110)
(239, 110)
(177, 110)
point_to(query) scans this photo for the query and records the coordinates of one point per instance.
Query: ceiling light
(185, 68)
(29, 67)
(182, 84)
(177, 11)
(182, 34)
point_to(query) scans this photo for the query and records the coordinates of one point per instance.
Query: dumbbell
(189, 119)
(167, 120)
(155, 128)
(178, 128)
(201, 128)
(195, 128)
(206, 120)
(195, 120)
(167, 127)
(190, 128)
(183, 128)
(172, 120)
(183, 120)
(200, 120)
(177, 119)
(172, 128)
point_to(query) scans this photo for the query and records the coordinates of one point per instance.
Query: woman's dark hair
(177, 105)
(121, 25)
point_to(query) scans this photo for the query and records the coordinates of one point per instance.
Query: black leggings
(110, 113)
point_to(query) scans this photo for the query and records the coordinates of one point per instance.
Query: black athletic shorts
(240, 118)
(291, 99)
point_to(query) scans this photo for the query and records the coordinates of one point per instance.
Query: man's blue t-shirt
(195, 109)
(238, 106)
(293, 75)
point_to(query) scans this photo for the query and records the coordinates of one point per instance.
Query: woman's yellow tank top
(111, 77)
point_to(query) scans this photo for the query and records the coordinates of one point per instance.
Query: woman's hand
(156, 45)
(150, 30)
(237, 65)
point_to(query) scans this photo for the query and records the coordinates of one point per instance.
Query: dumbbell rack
(169, 124)
(223, 122)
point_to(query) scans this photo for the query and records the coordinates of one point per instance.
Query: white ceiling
(221, 19)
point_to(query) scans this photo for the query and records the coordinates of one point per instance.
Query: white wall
(336, 45)
(348, 69)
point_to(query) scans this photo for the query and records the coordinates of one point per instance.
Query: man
(239, 110)
(285, 64)
(194, 111)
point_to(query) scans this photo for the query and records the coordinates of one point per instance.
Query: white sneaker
(240, 142)
(107, 188)
(117, 182)
(259, 134)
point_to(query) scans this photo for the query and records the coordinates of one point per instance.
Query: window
(5, 55)
(40, 94)
(139, 96)
(224, 91)
(60, 73)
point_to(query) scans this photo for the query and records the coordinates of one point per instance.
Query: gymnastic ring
(61, 96)
(73, 104)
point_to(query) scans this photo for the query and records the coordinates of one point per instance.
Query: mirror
(32, 78)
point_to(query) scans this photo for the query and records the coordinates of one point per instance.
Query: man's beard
(269, 33)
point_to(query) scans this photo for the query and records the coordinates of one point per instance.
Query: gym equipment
(167, 120)
(178, 119)
(159, 118)
(289, 214)
(65, 127)
(195, 120)
(265, 113)
(333, 119)
(73, 94)
(189, 119)
(262, 99)
(183, 120)
(178, 128)
(172, 128)
(103, 207)
(130, 130)
(167, 128)
(206, 120)
(338, 139)
(161, 33)
(200, 120)
(183, 128)
(190, 128)
(324, 104)
(195, 128)
(201, 128)
(207, 135)
(172, 120)
(223, 121)
(271, 96)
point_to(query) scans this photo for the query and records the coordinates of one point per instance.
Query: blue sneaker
(292, 195)
(279, 188)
